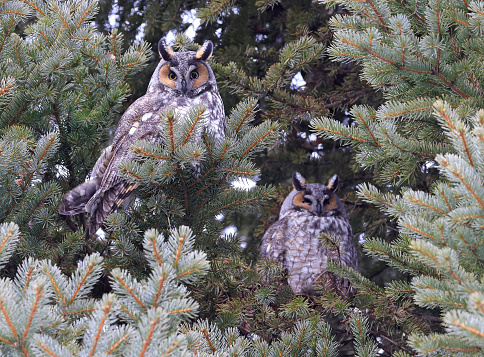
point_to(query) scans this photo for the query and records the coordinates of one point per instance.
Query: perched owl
(310, 211)
(181, 81)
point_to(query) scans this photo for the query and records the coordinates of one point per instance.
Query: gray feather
(74, 202)
(309, 212)
(104, 203)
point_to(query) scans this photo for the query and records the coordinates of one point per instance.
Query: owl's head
(183, 73)
(314, 198)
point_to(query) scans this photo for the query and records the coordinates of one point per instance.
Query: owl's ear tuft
(298, 181)
(165, 50)
(205, 52)
(333, 183)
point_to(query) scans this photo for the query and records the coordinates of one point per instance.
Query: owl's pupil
(194, 75)
(172, 76)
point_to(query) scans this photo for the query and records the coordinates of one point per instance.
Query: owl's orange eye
(172, 76)
(194, 75)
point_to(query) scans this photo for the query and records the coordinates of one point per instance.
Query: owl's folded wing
(273, 246)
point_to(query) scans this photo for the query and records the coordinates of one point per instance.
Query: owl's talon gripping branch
(181, 81)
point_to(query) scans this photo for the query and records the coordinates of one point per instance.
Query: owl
(181, 81)
(310, 211)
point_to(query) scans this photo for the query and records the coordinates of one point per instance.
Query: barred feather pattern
(308, 213)
(103, 203)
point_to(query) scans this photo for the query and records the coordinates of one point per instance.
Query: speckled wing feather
(75, 201)
(103, 203)
(134, 125)
(273, 246)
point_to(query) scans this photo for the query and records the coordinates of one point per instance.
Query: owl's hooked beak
(184, 86)
(318, 209)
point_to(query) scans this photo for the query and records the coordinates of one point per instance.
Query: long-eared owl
(310, 211)
(181, 81)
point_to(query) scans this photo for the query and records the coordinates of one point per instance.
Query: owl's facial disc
(319, 205)
(202, 76)
(187, 82)
(303, 200)
(169, 76)
(330, 204)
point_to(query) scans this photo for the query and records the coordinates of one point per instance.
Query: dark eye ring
(306, 201)
(172, 76)
(194, 75)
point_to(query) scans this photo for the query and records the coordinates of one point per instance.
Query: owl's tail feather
(104, 203)
(74, 201)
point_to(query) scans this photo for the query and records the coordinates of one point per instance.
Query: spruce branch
(364, 346)
(45, 312)
(9, 238)
(214, 10)
(415, 63)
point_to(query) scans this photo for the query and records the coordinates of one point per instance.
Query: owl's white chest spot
(268, 249)
(134, 127)
(136, 124)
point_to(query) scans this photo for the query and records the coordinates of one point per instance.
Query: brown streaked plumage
(181, 81)
(308, 212)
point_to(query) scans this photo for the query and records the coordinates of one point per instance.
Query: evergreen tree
(259, 50)
(425, 58)
(46, 313)
(63, 85)
(441, 237)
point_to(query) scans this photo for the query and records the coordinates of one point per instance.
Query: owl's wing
(145, 105)
(102, 204)
(349, 254)
(81, 197)
(273, 246)
(113, 189)
(216, 122)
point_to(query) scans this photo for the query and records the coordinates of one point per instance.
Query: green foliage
(364, 347)
(282, 101)
(414, 55)
(27, 199)
(308, 338)
(423, 59)
(442, 247)
(62, 85)
(47, 313)
(10, 238)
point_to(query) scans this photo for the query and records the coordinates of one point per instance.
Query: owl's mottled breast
(309, 213)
